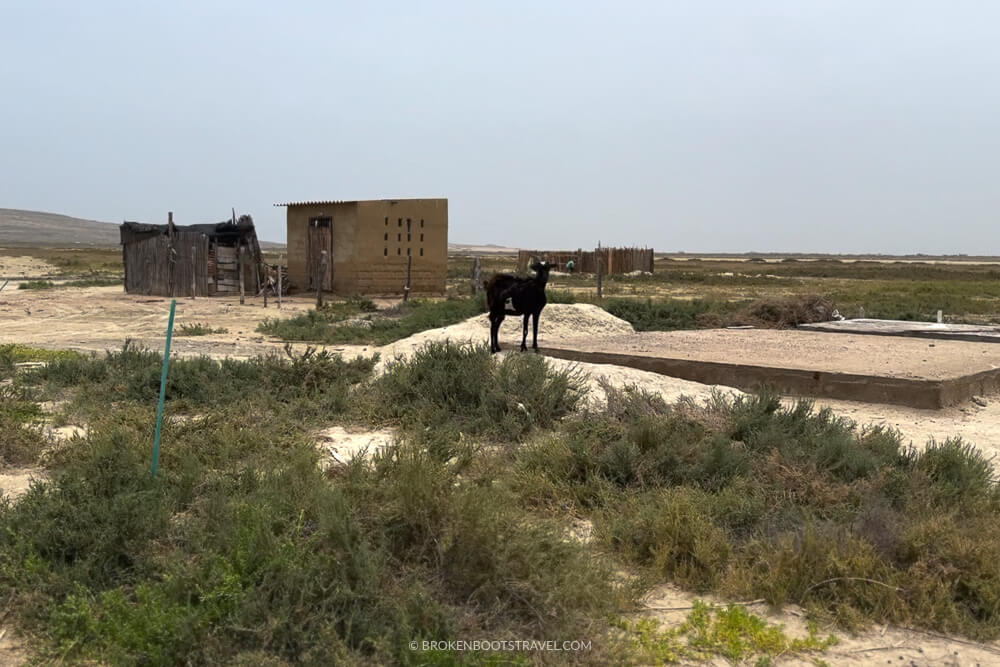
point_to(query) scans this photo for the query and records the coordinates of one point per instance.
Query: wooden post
(406, 287)
(321, 279)
(239, 268)
(280, 259)
(194, 271)
(264, 291)
(597, 256)
(477, 275)
(171, 260)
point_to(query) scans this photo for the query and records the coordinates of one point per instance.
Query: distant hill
(35, 228)
(29, 229)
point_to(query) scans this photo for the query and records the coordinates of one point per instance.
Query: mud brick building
(368, 245)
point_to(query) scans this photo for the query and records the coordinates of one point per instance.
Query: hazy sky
(805, 125)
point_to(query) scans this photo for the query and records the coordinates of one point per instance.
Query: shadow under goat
(511, 295)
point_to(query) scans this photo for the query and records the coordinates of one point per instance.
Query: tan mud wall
(370, 245)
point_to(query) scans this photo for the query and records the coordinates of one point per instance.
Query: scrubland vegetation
(243, 550)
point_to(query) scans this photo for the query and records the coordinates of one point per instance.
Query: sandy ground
(101, 318)
(23, 267)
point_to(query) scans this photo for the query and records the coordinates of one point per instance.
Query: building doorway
(320, 239)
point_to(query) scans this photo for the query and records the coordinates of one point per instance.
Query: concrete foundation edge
(915, 393)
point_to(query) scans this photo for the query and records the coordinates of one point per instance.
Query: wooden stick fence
(613, 260)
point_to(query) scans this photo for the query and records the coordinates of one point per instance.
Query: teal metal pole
(163, 388)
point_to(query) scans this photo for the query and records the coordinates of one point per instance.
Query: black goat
(510, 295)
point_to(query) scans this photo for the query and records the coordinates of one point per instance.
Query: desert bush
(777, 313)
(199, 329)
(670, 531)
(21, 440)
(517, 569)
(312, 384)
(463, 388)
(666, 315)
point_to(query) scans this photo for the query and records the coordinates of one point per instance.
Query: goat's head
(541, 270)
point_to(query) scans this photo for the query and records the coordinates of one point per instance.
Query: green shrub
(21, 440)
(199, 329)
(671, 532)
(463, 388)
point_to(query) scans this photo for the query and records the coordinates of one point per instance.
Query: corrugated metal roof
(318, 203)
(391, 200)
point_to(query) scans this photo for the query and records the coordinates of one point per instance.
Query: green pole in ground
(163, 388)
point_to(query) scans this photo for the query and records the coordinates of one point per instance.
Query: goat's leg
(495, 320)
(524, 332)
(534, 331)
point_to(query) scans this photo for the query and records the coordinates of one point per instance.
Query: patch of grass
(12, 354)
(199, 329)
(36, 284)
(375, 328)
(85, 282)
(728, 632)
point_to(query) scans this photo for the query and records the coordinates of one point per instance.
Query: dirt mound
(559, 321)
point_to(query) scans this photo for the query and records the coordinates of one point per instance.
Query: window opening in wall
(398, 251)
(399, 223)
(421, 223)
(421, 252)
(387, 236)
(407, 224)
(387, 222)
(421, 238)
(385, 252)
(407, 252)
(407, 237)
(399, 237)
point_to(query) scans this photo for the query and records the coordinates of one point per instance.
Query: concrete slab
(944, 331)
(904, 371)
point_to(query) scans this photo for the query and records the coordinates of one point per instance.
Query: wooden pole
(194, 271)
(597, 255)
(239, 268)
(406, 287)
(321, 279)
(477, 275)
(280, 260)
